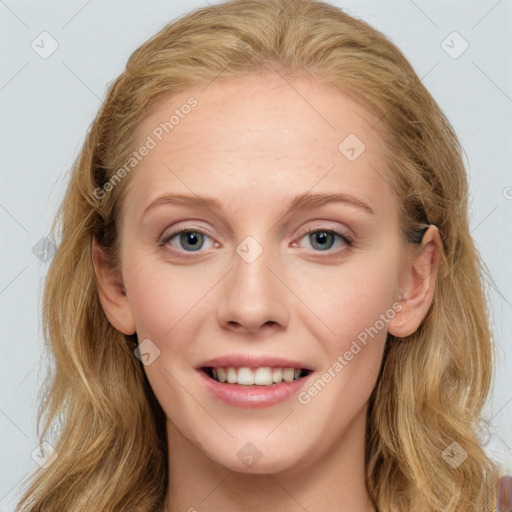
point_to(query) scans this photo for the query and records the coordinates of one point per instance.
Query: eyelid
(166, 237)
(322, 227)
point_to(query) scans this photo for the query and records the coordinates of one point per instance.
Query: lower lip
(253, 397)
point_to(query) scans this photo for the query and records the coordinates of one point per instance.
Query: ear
(417, 284)
(111, 292)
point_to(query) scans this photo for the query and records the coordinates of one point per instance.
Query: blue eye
(190, 240)
(324, 239)
(193, 240)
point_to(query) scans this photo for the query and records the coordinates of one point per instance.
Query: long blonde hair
(109, 430)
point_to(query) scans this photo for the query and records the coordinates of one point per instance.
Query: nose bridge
(252, 296)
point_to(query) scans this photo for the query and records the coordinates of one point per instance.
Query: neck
(334, 480)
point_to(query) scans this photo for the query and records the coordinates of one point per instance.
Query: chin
(261, 467)
(259, 457)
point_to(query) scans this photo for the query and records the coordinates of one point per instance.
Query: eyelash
(346, 240)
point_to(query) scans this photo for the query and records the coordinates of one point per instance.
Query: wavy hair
(106, 424)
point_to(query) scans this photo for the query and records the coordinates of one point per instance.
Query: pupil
(192, 238)
(321, 237)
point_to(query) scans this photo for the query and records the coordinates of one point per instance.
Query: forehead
(259, 135)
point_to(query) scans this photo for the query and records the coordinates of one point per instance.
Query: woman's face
(256, 158)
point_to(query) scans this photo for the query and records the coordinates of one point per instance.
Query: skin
(254, 143)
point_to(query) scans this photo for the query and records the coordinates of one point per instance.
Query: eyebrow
(299, 203)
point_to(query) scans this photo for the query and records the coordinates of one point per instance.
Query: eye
(191, 240)
(325, 239)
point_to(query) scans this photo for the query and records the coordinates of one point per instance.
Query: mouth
(254, 376)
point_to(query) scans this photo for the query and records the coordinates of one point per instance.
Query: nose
(253, 297)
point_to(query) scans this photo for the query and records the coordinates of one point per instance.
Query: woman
(266, 296)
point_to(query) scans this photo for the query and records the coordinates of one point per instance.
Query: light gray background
(47, 104)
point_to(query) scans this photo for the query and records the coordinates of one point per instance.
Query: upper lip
(253, 361)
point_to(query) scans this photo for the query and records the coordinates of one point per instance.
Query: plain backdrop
(57, 59)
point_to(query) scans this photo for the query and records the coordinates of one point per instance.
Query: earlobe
(112, 293)
(418, 285)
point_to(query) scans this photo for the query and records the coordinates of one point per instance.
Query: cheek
(171, 305)
(346, 301)
(166, 303)
(352, 306)
(163, 298)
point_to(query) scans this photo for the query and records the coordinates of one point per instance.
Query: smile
(262, 376)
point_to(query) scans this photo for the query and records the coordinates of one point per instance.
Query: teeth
(277, 374)
(264, 376)
(245, 376)
(231, 375)
(288, 374)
